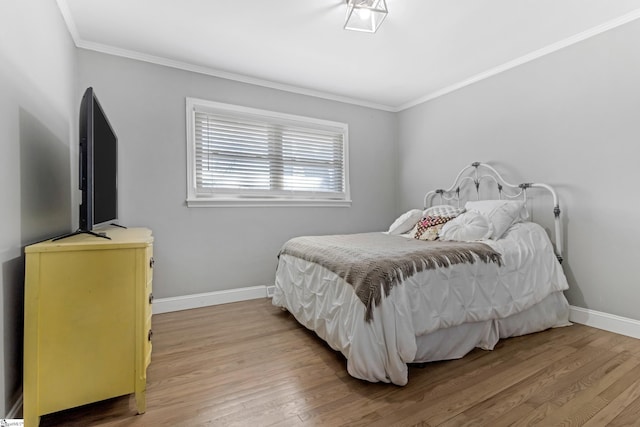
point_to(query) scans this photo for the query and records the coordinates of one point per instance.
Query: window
(239, 156)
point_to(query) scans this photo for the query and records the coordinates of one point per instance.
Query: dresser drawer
(147, 353)
(148, 312)
(148, 303)
(86, 321)
(148, 345)
(150, 261)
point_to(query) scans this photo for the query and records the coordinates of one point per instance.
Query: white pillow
(443, 210)
(468, 226)
(405, 222)
(501, 213)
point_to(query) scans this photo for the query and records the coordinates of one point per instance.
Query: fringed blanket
(376, 262)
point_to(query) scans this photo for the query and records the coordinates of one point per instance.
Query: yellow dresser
(87, 320)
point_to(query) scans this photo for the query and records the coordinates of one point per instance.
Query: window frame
(231, 199)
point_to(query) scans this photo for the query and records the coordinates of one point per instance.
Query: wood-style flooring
(251, 364)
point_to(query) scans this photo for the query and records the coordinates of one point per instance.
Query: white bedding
(435, 314)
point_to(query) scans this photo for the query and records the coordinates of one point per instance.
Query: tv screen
(98, 165)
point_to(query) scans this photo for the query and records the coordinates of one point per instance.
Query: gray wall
(209, 249)
(37, 123)
(571, 119)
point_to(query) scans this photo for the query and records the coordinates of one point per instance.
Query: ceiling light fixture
(365, 15)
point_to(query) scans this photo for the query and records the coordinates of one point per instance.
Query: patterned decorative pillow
(443, 210)
(428, 227)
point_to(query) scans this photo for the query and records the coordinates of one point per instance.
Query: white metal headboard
(478, 172)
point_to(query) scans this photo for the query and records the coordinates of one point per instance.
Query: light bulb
(364, 14)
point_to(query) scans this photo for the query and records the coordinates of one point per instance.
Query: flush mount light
(365, 15)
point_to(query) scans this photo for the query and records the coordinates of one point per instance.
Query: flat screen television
(98, 169)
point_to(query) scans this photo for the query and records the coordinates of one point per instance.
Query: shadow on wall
(45, 181)
(45, 212)
(13, 311)
(574, 294)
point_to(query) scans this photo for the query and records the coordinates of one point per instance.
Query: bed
(467, 270)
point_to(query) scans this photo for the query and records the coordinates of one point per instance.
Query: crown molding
(130, 54)
(227, 75)
(68, 19)
(599, 29)
(569, 41)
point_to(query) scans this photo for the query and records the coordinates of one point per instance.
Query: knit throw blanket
(374, 263)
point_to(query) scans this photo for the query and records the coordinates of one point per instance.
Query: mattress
(435, 314)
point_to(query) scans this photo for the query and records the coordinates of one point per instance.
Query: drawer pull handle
(152, 262)
(151, 298)
(149, 335)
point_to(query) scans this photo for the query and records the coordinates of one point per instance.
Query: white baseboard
(596, 319)
(606, 321)
(186, 302)
(584, 316)
(166, 305)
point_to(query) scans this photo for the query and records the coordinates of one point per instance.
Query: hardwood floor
(251, 364)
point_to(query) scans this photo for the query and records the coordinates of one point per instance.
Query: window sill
(265, 202)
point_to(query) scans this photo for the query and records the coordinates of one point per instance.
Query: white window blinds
(247, 153)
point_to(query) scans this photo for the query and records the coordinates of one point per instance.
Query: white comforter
(425, 302)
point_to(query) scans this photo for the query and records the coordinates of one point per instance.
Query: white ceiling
(424, 47)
